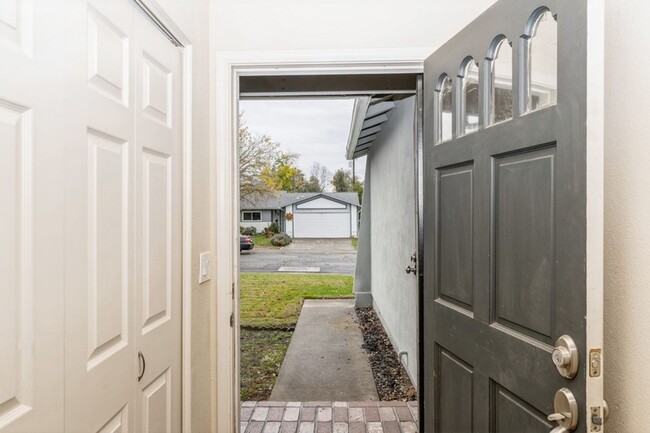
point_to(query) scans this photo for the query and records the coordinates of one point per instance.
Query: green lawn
(355, 243)
(262, 353)
(262, 241)
(274, 300)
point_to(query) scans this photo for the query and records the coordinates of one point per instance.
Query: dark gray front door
(513, 222)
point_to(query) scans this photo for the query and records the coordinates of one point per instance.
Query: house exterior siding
(393, 235)
(264, 222)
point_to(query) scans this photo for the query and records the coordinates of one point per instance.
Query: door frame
(229, 66)
(164, 23)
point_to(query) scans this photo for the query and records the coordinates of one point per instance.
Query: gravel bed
(392, 381)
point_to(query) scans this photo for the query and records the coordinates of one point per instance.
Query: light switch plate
(204, 267)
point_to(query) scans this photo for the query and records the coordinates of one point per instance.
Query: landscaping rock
(391, 379)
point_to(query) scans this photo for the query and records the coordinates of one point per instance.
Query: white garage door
(321, 225)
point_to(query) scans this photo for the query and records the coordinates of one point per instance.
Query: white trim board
(228, 67)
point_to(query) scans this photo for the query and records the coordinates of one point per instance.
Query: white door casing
(31, 221)
(123, 222)
(229, 67)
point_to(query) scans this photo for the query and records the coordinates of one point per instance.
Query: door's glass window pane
(470, 97)
(445, 109)
(501, 83)
(542, 70)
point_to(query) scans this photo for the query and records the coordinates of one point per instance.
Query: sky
(316, 129)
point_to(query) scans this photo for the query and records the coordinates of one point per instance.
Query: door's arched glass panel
(445, 108)
(470, 105)
(542, 62)
(500, 81)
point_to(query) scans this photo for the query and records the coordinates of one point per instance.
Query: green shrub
(281, 240)
(273, 228)
(248, 231)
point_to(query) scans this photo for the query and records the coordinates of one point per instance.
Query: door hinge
(232, 320)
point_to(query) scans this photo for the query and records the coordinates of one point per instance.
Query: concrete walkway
(325, 360)
(329, 417)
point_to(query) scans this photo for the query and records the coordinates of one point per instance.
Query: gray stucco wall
(393, 234)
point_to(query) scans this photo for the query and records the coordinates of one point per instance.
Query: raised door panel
(157, 90)
(454, 393)
(524, 222)
(108, 246)
(510, 413)
(16, 25)
(157, 243)
(157, 405)
(108, 57)
(456, 232)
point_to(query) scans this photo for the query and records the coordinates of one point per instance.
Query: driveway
(328, 256)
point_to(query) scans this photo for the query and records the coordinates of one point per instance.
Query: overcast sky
(317, 129)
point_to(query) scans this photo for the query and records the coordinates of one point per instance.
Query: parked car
(246, 243)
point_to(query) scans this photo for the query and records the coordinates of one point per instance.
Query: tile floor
(329, 417)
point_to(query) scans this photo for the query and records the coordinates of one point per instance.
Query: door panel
(31, 221)
(158, 148)
(509, 212)
(100, 351)
(123, 228)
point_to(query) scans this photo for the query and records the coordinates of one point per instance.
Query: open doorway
(328, 334)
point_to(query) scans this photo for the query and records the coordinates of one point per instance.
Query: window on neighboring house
(252, 216)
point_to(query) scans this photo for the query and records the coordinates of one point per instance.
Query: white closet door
(31, 220)
(158, 147)
(101, 359)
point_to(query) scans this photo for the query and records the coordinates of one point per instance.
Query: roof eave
(361, 105)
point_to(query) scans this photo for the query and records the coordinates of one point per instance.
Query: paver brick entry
(329, 417)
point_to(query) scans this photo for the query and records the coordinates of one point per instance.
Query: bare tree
(256, 155)
(321, 173)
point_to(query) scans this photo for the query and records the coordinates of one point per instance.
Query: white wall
(627, 217)
(192, 16)
(393, 230)
(337, 24)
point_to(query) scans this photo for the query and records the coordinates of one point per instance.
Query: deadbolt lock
(566, 411)
(565, 357)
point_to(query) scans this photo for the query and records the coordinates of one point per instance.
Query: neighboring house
(304, 215)
(386, 244)
(261, 211)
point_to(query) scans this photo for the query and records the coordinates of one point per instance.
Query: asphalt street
(327, 257)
